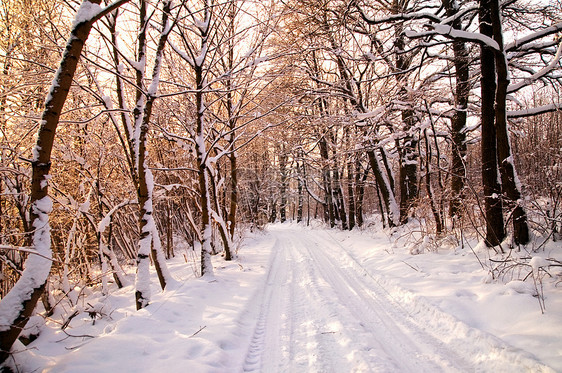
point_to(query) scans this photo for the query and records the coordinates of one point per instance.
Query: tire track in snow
(262, 336)
(482, 351)
(320, 312)
(316, 344)
(396, 343)
(298, 327)
(286, 335)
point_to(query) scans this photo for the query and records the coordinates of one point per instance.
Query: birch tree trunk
(200, 146)
(149, 242)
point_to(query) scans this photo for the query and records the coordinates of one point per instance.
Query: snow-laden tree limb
(534, 111)
(398, 17)
(534, 36)
(454, 34)
(104, 223)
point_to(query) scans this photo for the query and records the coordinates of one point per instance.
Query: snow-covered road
(320, 311)
(319, 316)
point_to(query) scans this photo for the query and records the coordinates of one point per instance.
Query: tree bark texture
(495, 232)
(149, 241)
(327, 180)
(408, 167)
(462, 90)
(509, 178)
(283, 189)
(384, 185)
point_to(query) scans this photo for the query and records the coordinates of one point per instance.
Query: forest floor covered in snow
(311, 299)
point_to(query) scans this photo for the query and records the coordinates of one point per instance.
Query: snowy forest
(139, 138)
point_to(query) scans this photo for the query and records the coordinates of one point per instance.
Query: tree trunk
(428, 187)
(360, 179)
(169, 230)
(327, 179)
(300, 186)
(203, 177)
(283, 189)
(495, 232)
(351, 193)
(393, 213)
(201, 152)
(231, 138)
(338, 196)
(219, 221)
(458, 135)
(149, 241)
(408, 167)
(509, 178)
(233, 188)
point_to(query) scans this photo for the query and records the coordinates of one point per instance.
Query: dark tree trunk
(408, 167)
(283, 189)
(339, 199)
(232, 127)
(495, 232)
(300, 186)
(385, 189)
(505, 156)
(408, 172)
(351, 193)
(429, 188)
(458, 135)
(327, 180)
(273, 214)
(360, 179)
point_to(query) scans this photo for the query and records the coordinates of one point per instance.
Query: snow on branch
(452, 33)
(91, 12)
(29, 250)
(377, 113)
(182, 54)
(86, 13)
(534, 36)
(534, 111)
(399, 17)
(104, 223)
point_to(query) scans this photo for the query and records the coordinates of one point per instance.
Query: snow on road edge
(363, 251)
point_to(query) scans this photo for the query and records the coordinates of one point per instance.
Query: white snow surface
(86, 12)
(301, 299)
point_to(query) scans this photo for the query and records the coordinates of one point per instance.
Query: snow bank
(188, 328)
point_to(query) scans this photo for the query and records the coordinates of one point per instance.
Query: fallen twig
(197, 332)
